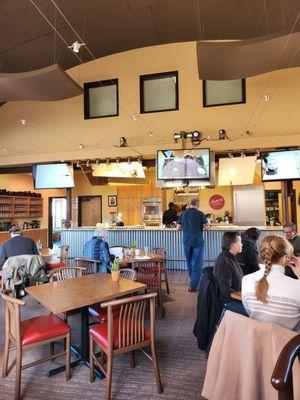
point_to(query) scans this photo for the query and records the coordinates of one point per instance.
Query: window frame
(90, 85)
(204, 91)
(158, 75)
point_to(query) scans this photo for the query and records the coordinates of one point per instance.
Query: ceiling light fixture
(257, 153)
(78, 164)
(81, 146)
(222, 134)
(4, 148)
(243, 155)
(134, 117)
(140, 160)
(107, 161)
(87, 163)
(118, 160)
(97, 161)
(23, 121)
(230, 155)
(267, 97)
(150, 133)
(76, 46)
(129, 160)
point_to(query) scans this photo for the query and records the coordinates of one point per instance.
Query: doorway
(57, 213)
(89, 210)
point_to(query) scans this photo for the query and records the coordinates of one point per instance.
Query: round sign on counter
(216, 201)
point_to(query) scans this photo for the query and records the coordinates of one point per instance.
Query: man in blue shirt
(192, 222)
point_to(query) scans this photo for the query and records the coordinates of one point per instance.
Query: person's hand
(294, 263)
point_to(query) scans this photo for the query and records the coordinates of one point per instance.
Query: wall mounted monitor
(53, 176)
(280, 165)
(186, 164)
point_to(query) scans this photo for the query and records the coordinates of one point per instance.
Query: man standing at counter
(192, 222)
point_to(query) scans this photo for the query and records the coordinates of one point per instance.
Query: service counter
(151, 237)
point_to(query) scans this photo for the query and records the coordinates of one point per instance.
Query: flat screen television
(280, 165)
(53, 176)
(186, 164)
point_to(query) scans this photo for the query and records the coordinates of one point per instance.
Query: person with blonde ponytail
(268, 295)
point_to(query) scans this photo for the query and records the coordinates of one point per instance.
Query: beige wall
(84, 188)
(24, 182)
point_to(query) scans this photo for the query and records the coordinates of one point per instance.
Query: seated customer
(97, 249)
(290, 233)
(268, 295)
(17, 245)
(248, 258)
(228, 273)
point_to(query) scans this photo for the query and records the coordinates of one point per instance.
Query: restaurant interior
(112, 113)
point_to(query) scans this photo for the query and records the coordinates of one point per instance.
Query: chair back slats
(132, 323)
(64, 251)
(60, 274)
(89, 264)
(161, 250)
(128, 273)
(12, 316)
(148, 272)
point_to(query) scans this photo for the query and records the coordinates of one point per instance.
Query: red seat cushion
(99, 333)
(54, 265)
(41, 328)
(100, 314)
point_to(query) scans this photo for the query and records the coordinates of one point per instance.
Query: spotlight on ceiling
(97, 161)
(129, 160)
(177, 136)
(23, 121)
(257, 153)
(140, 160)
(81, 146)
(78, 164)
(123, 142)
(243, 155)
(222, 134)
(118, 160)
(87, 163)
(76, 46)
(107, 161)
(230, 155)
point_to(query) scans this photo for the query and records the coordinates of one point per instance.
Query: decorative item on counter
(115, 272)
(113, 217)
(133, 248)
(39, 246)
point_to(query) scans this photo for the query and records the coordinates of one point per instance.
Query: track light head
(97, 161)
(78, 164)
(107, 161)
(76, 46)
(222, 134)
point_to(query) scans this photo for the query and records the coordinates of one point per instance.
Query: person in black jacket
(170, 216)
(248, 258)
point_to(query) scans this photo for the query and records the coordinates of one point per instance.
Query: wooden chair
(99, 314)
(60, 274)
(282, 377)
(31, 333)
(64, 259)
(161, 250)
(124, 334)
(89, 264)
(149, 273)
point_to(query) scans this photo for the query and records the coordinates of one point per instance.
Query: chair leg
(52, 348)
(132, 359)
(161, 304)
(92, 374)
(156, 367)
(109, 376)
(167, 282)
(68, 356)
(5, 356)
(18, 373)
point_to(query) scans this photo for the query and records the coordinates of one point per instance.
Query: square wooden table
(70, 294)
(132, 259)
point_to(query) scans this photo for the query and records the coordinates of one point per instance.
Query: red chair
(100, 314)
(31, 333)
(124, 334)
(64, 249)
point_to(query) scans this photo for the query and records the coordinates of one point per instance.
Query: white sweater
(283, 298)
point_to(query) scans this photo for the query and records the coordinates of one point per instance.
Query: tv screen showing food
(53, 176)
(280, 165)
(183, 164)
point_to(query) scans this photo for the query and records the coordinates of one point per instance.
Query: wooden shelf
(28, 207)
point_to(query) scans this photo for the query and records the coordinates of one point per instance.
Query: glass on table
(146, 249)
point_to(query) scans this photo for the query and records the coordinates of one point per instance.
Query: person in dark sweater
(170, 216)
(227, 271)
(248, 258)
(17, 245)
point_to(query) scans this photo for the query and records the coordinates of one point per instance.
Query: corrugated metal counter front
(171, 238)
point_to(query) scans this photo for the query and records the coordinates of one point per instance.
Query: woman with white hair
(97, 249)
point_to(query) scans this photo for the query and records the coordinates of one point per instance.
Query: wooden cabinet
(20, 207)
(34, 234)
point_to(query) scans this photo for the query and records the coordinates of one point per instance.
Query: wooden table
(81, 292)
(236, 295)
(150, 257)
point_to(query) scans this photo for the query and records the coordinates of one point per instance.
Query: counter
(151, 237)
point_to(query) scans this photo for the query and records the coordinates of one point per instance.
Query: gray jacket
(17, 270)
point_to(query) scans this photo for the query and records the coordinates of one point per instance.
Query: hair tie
(265, 274)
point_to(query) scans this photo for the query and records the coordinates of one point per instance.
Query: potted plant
(115, 272)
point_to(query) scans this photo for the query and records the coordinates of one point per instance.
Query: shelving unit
(272, 206)
(20, 207)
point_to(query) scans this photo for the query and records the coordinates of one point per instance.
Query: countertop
(222, 227)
